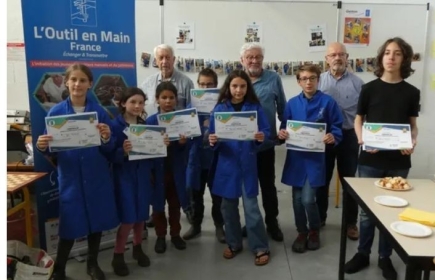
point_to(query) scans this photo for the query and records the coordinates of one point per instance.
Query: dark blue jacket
(134, 180)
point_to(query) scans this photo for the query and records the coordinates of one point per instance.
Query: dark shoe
(300, 244)
(275, 232)
(178, 242)
(149, 223)
(244, 232)
(95, 271)
(189, 216)
(322, 223)
(160, 246)
(58, 275)
(120, 268)
(357, 263)
(193, 232)
(352, 232)
(388, 270)
(313, 240)
(139, 255)
(220, 234)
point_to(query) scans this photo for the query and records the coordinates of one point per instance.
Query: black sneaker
(357, 263)
(120, 268)
(388, 270)
(300, 244)
(275, 232)
(138, 254)
(160, 246)
(313, 240)
(178, 242)
(193, 232)
(94, 270)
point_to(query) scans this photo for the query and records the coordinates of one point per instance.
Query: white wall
(423, 159)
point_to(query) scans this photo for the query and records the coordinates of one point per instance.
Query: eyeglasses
(206, 85)
(305, 79)
(257, 57)
(332, 55)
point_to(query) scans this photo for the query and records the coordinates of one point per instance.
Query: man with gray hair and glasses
(268, 87)
(345, 88)
(165, 59)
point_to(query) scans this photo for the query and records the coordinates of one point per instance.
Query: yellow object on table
(422, 217)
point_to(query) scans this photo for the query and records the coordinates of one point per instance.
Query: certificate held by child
(240, 126)
(183, 122)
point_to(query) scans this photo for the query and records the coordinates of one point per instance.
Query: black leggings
(65, 245)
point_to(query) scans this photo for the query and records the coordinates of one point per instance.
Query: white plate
(397, 190)
(411, 229)
(391, 201)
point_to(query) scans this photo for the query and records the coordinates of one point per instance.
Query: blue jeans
(304, 205)
(257, 236)
(367, 226)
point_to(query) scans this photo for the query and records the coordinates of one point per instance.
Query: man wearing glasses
(345, 88)
(268, 87)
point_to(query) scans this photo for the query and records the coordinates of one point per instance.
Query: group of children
(100, 188)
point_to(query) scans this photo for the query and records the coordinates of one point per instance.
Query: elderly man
(345, 88)
(268, 87)
(165, 60)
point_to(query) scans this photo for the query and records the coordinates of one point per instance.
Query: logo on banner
(84, 13)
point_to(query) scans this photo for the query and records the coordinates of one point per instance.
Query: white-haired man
(165, 59)
(268, 87)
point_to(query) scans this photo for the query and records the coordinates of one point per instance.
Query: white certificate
(306, 136)
(240, 126)
(73, 131)
(204, 99)
(147, 141)
(183, 122)
(386, 136)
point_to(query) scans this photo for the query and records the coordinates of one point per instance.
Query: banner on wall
(97, 33)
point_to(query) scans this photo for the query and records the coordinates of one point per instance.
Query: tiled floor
(202, 260)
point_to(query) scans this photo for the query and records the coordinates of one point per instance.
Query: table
(19, 167)
(417, 253)
(20, 181)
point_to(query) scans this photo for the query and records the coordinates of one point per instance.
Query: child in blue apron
(305, 170)
(198, 175)
(235, 170)
(134, 181)
(174, 165)
(86, 194)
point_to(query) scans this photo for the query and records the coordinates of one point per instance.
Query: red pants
(159, 218)
(122, 235)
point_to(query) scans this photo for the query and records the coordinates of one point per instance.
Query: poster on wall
(16, 51)
(317, 40)
(253, 33)
(185, 36)
(357, 27)
(80, 31)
